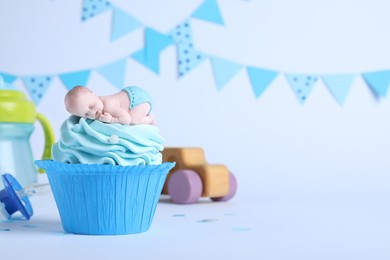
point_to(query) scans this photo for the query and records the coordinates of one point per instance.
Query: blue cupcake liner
(98, 199)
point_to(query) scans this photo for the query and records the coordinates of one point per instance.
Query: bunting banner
(114, 72)
(187, 56)
(260, 79)
(188, 59)
(149, 56)
(122, 24)
(37, 86)
(6, 86)
(8, 78)
(339, 85)
(77, 78)
(224, 71)
(378, 81)
(209, 11)
(302, 85)
(92, 8)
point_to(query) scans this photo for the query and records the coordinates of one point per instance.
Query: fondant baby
(130, 106)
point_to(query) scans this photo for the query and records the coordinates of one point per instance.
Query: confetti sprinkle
(5, 229)
(31, 226)
(208, 220)
(178, 215)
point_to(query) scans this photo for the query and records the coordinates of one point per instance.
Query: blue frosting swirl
(89, 141)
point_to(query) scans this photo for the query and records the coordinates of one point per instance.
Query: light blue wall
(278, 148)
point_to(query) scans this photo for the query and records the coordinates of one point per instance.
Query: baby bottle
(17, 117)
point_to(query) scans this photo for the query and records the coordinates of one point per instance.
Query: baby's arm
(118, 115)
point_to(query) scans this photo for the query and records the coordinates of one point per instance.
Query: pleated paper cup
(99, 199)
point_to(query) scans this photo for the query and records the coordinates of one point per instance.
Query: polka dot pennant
(92, 8)
(37, 86)
(302, 85)
(188, 56)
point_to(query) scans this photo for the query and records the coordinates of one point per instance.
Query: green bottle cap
(15, 107)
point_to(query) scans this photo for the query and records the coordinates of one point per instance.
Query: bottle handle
(49, 137)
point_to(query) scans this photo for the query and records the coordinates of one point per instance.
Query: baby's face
(85, 105)
(94, 106)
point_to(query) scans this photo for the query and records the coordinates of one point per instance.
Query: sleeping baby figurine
(130, 106)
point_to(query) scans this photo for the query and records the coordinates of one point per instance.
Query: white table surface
(250, 226)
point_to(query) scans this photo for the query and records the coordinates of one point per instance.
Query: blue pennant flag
(209, 11)
(92, 8)
(260, 79)
(155, 42)
(188, 57)
(5, 85)
(114, 72)
(78, 78)
(149, 56)
(378, 81)
(339, 85)
(302, 85)
(224, 71)
(152, 63)
(8, 78)
(122, 24)
(37, 86)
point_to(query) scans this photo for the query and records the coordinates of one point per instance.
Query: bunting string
(188, 58)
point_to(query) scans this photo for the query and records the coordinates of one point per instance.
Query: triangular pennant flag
(114, 72)
(5, 85)
(182, 34)
(92, 8)
(149, 56)
(224, 71)
(378, 81)
(155, 42)
(122, 24)
(209, 11)
(188, 57)
(302, 85)
(78, 78)
(8, 78)
(339, 85)
(152, 63)
(37, 86)
(260, 79)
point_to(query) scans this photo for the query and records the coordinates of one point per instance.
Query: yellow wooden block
(215, 179)
(185, 158)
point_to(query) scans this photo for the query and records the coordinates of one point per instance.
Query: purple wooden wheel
(185, 187)
(232, 189)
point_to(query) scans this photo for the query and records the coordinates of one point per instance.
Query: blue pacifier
(14, 198)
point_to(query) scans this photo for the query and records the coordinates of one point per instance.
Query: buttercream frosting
(89, 141)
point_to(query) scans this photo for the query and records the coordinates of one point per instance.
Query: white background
(319, 171)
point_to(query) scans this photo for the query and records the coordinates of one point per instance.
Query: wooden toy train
(193, 177)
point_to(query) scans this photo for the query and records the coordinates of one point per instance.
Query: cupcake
(107, 177)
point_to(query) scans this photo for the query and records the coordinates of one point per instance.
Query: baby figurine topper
(130, 106)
